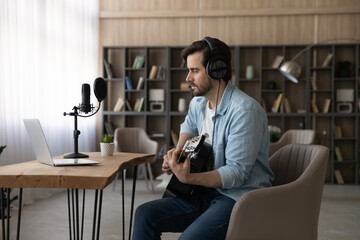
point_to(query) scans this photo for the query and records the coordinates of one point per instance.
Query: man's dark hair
(202, 46)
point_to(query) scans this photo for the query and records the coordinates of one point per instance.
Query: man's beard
(201, 91)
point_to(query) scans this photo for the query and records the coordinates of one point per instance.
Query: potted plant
(343, 69)
(274, 132)
(5, 197)
(107, 145)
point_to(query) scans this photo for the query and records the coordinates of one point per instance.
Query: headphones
(218, 66)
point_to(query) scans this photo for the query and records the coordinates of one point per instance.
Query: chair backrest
(134, 140)
(302, 136)
(290, 208)
(295, 160)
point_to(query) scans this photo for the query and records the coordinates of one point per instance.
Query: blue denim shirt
(241, 141)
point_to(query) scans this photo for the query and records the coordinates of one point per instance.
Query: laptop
(41, 149)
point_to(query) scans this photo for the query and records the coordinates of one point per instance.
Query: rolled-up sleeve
(245, 134)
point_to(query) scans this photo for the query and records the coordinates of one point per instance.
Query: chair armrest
(254, 213)
(273, 147)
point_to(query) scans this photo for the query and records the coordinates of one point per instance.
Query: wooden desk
(33, 174)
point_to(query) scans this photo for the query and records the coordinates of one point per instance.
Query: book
(313, 81)
(139, 61)
(314, 106)
(174, 137)
(128, 105)
(119, 105)
(277, 103)
(338, 176)
(161, 73)
(287, 105)
(338, 154)
(161, 152)
(136, 105)
(326, 105)
(337, 131)
(140, 107)
(157, 134)
(108, 69)
(109, 128)
(183, 64)
(128, 83)
(327, 60)
(140, 83)
(263, 104)
(277, 61)
(153, 72)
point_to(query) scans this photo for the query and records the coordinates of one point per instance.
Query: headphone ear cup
(217, 68)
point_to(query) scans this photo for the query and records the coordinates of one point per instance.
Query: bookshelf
(318, 84)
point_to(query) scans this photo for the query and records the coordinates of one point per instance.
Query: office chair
(290, 208)
(136, 140)
(301, 136)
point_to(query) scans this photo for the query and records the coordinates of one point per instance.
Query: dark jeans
(201, 216)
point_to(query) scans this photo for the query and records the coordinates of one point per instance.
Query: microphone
(85, 94)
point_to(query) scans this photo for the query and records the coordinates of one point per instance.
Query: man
(236, 126)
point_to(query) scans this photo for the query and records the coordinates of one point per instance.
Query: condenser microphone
(85, 95)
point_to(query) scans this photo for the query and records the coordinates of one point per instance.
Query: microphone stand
(76, 134)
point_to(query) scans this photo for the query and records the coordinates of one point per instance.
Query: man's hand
(165, 166)
(181, 170)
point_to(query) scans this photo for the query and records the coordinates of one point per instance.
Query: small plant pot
(107, 149)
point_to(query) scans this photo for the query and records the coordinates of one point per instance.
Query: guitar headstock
(191, 144)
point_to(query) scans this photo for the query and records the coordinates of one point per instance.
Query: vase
(107, 149)
(249, 72)
(181, 105)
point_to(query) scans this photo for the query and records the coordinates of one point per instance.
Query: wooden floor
(48, 219)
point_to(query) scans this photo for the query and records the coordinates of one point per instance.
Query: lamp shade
(291, 70)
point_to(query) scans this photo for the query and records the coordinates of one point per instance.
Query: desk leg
(69, 212)
(19, 214)
(95, 211)
(2, 213)
(132, 200)
(73, 213)
(123, 202)
(83, 215)
(99, 217)
(6, 232)
(77, 213)
(95, 214)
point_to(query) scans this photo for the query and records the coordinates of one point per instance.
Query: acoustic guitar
(199, 153)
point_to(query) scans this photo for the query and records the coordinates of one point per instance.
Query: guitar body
(199, 153)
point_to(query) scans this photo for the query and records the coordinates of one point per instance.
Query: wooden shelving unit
(265, 86)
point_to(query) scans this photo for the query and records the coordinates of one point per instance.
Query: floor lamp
(292, 70)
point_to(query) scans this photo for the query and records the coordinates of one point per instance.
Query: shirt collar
(225, 100)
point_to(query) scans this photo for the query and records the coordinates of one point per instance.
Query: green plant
(5, 194)
(343, 65)
(343, 69)
(2, 148)
(108, 138)
(274, 132)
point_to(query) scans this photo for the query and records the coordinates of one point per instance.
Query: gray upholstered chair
(136, 140)
(290, 208)
(302, 136)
